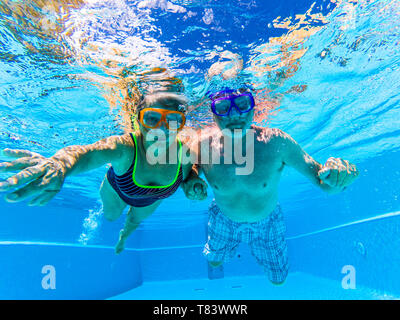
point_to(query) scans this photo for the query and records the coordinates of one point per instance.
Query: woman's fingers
(15, 153)
(25, 192)
(18, 165)
(43, 198)
(21, 178)
(40, 178)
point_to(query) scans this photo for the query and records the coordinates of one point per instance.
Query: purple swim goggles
(223, 101)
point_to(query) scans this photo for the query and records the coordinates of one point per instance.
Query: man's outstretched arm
(334, 176)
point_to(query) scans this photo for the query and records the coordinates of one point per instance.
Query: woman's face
(161, 134)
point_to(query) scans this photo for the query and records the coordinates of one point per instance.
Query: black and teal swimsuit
(137, 195)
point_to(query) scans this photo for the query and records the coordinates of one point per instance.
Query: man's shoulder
(209, 132)
(269, 135)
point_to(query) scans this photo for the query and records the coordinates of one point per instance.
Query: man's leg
(269, 247)
(221, 238)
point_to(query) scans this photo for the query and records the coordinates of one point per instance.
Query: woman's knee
(111, 214)
(113, 206)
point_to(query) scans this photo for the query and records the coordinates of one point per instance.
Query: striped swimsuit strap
(129, 187)
(177, 175)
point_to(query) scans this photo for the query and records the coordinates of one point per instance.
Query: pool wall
(95, 272)
(80, 273)
(371, 247)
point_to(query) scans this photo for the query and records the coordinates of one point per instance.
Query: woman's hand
(338, 173)
(195, 188)
(39, 177)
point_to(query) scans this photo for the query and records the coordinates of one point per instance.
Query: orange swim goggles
(152, 118)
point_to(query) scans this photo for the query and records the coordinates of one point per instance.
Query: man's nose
(234, 113)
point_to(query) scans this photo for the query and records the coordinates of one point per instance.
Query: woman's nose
(163, 127)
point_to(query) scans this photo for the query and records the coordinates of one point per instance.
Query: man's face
(235, 119)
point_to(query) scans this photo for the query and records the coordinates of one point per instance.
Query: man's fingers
(331, 162)
(333, 177)
(201, 190)
(14, 153)
(195, 189)
(189, 189)
(341, 177)
(328, 176)
(198, 187)
(341, 172)
(354, 171)
(21, 178)
(18, 165)
(347, 180)
(324, 173)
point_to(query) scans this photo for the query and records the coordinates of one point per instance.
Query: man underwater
(246, 206)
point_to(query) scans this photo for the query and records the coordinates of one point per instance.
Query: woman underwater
(133, 180)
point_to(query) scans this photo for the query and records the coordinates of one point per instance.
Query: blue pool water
(62, 68)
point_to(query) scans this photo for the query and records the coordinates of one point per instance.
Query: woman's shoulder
(123, 142)
(126, 152)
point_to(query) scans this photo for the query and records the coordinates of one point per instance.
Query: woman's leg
(134, 217)
(113, 205)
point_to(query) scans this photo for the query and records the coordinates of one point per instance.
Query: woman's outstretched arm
(42, 178)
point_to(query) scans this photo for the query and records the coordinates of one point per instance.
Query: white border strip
(382, 216)
(73, 245)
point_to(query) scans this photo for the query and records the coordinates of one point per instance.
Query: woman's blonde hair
(169, 99)
(151, 87)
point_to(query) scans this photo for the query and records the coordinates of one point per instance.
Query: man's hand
(338, 173)
(39, 177)
(195, 188)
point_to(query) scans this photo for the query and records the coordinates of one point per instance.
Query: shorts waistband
(275, 214)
